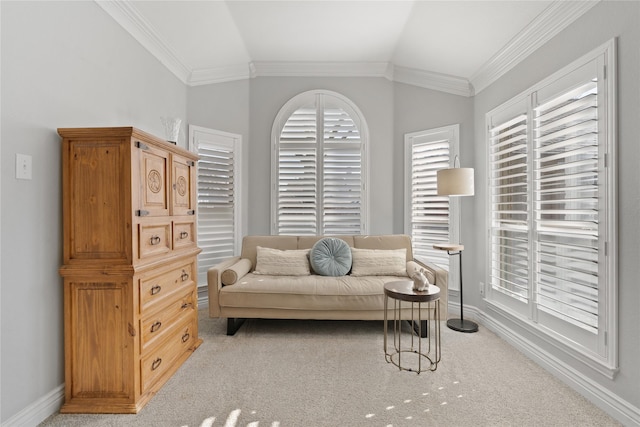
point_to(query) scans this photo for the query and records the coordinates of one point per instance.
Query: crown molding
(229, 73)
(319, 69)
(125, 14)
(431, 80)
(425, 79)
(555, 18)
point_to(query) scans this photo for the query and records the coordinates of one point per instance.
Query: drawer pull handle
(156, 364)
(184, 276)
(156, 326)
(155, 290)
(186, 305)
(184, 235)
(186, 337)
(155, 240)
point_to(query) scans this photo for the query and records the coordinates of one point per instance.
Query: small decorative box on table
(400, 291)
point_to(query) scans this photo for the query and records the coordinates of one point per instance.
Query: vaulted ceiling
(458, 47)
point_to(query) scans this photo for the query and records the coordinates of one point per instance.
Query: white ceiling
(454, 46)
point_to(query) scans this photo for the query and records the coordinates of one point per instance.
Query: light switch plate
(23, 166)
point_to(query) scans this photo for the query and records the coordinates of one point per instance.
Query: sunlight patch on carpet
(232, 420)
(412, 407)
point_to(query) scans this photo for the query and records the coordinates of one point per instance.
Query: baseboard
(39, 410)
(612, 404)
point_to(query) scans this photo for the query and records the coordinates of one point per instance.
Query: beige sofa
(311, 296)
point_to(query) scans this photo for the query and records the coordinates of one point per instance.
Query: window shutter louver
(342, 178)
(566, 204)
(509, 207)
(216, 206)
(429, 212)
(297, 171)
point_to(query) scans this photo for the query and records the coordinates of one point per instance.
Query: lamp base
(462, 325)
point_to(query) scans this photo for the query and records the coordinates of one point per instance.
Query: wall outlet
(481, 288)
(23, 166)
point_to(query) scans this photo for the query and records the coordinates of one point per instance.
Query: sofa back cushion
(391, 241)
(250, 244)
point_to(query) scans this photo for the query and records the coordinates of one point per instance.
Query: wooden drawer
(154, 239)
(161, 359)
(155, 288)
(161, 323)
(184, 234)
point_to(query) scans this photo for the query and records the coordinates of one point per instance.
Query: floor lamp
(456, 182)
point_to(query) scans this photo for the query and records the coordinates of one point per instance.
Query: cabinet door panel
(154, 191)
(96, 204)
(101, 339)
(183, 183)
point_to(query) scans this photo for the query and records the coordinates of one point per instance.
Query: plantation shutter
(297, 174)
(429, 212)
(319, 177)
(566, 204)
(509, 272)
(216, 205)
(552, 169)
(342, 177)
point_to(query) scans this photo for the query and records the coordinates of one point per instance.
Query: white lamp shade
(455, 182)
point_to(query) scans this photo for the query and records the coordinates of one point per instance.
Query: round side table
(402, 291)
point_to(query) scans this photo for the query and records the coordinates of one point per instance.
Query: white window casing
(552, 209)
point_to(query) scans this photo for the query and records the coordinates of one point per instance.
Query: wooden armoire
(129, 272)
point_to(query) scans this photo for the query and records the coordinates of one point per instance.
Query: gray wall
(600, 24)
(63, 65)
(225, 107)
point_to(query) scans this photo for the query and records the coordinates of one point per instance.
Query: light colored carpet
(332, 373)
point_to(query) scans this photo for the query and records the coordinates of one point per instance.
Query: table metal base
(433, 351)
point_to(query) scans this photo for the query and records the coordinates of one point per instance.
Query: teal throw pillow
(330, 256)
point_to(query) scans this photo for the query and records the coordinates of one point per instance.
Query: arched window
(319, 166)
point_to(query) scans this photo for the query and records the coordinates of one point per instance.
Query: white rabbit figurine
(420, 281)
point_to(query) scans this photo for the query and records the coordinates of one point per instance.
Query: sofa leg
(233, 324)
(417, 329)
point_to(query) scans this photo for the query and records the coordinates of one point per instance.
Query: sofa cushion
(282, 263)
(330, 256)
(312, 292)
(379, 262)
(231, 275)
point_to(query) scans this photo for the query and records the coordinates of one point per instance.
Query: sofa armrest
(442, 281)
(214, 284)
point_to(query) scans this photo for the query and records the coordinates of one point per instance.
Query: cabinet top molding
(120, 132)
